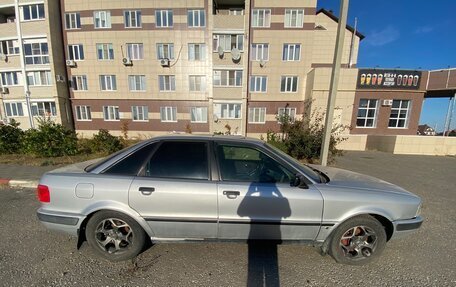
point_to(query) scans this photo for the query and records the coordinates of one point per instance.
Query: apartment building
(204, 66)
(32, 69)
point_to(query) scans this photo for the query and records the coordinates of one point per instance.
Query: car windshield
(308, 171)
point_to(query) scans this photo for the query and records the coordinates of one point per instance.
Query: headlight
(418, 211)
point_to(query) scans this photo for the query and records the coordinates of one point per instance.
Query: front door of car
(256, 200)
(174, 192)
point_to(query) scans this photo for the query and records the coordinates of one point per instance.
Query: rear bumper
(405, 227)
(60, 221)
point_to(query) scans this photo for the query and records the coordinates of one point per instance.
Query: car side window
(249, 164)
(131, 164)
(185, 160)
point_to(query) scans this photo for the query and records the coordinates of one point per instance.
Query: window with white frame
(196, 18)
(367, 113)
(32, 12)
(14, 109)
(399, 116)
(258, 84)
(43, 109)
(260, 52)
(102, 19)
(198, 114)
(165, 51)
(291, 52)
(196, 52)
(289, 113)
(36, 52)
(167, 83)
(140, 113)
(108, 82)
(227, 78)
(289, 84)
(10, 47)
(76, 52)
(164, 18)
(79, 83)
(227, 110)
(137, 82)
(111, 113)
(197, 83)
(72, 21)
(294, 18)
(135, 51)
(39, 78)
(83, 113)
(132, 19)
(228, 42)
(105, 51)
(261, 17)
(11, 78)
(168, 114)
(257, 115)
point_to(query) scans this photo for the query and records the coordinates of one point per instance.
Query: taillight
(43, 193)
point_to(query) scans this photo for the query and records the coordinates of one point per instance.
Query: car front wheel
(115, 236)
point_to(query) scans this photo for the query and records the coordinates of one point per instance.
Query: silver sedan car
(214, 188)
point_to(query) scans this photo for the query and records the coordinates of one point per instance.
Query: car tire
(115, 236)
(358, 241)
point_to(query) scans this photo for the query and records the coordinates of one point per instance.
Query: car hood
(349, 179)
(75, 168)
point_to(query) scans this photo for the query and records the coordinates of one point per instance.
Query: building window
(168, 114)
(83, 113)
(228, 42)
(76, 52)
(135, 51)
(291, 52)
(11, 78)
(196, 18)
(72, 21)
(227, 111)
(36, 53)
(258, 84)
(33, 12)
(102, 19)
(137, 82)
(257, 115)
(165, 51)
(108, 83)
(399, 114)
(260, 52)
(197, 83)
(289, 84)
(198, 114)
(14, 109)
(111, 113)
(261, 17)
(167, 83)
(367, 113)
(196, 52)
(294, 18)
(164, 18)
(9, 47)
(79, 83)
(286, 113)
(132, 19)
(228, 78)
(44, 109)
(105, 51)
(140, 113)
(39, 78)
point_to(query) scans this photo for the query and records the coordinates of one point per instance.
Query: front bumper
(405, 227)
(60, 221)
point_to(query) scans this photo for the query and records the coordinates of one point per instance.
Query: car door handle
(146, 190)
(231, 194)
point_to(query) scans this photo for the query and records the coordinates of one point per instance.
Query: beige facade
(33, 77)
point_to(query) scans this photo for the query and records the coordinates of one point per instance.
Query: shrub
(10, 138)
(105, 143)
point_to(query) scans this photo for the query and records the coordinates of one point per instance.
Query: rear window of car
(131, 164)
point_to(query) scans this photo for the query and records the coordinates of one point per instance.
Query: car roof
(234, 138)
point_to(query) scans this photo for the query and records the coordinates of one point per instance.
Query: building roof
(336, 19)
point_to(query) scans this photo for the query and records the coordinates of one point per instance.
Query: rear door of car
(175, 193)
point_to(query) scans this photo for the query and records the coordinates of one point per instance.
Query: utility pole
(334, 81)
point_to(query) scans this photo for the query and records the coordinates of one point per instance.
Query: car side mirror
(299, 181)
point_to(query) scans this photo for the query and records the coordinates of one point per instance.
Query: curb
(19, 183)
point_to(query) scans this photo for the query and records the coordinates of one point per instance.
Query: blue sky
(409, 34)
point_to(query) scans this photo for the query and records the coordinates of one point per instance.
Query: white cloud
(424, 29)
(379, 38)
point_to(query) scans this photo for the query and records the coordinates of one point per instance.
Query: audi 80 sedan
(181, 188)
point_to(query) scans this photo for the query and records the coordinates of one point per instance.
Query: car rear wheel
(358, 241)
(115, 236)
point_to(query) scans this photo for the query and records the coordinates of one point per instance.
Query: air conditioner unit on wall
(127, 62)
(164, 62)
(387, 102)
(5, 90)
(70, 63)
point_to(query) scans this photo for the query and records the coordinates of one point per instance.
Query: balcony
(228, 14)
(228, 22)
(7, 22)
